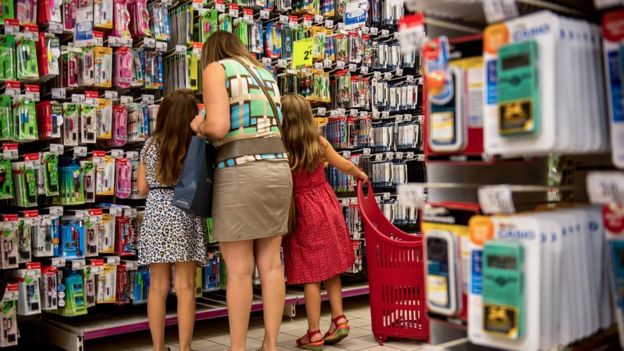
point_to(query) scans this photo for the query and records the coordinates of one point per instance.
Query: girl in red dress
(319, 248)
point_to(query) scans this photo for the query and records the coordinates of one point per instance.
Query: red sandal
(341, 332)
(311, 345)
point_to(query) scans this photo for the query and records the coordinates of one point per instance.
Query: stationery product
(29, 302)
(88, 123)
(72, 238)
(8, 316)
(123, 178)
(49, 288)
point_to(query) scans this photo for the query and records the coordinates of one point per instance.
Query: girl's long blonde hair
(301, 137)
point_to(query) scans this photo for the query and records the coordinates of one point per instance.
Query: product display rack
(71, 335)
(493, 187)
(80, 102)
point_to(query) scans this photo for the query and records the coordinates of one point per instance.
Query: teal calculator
(518, 89)
(503, 288)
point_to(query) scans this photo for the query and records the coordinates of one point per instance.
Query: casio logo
(519, 235)
(527, 33)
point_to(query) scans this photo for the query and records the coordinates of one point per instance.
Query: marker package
(9, 244)
(6, 180)
(26, 11)
(46, 239)
(88, 123)
(49, 49)
(27, 63)
(103, 14)
(104, 116)
(25, 119)
(613, 46)
(124, 67)
(106, 232)
(50, 174)
(71, 124)
(140, 286)
(91, 234)
(71, 185)
(25, 179)
(136, 123)
(72, 237)
(103, 67)
(8, 316)
(121, 26)
(88, 174)
(120, 126)
(70, 8)
(126, 237)
(29, 302)
(123, 178)
(105, 175)
(70, 67)
(75, 299)
(49, 118)
(106, 284)
(49, 288)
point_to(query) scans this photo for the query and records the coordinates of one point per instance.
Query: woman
(252, 181)
(169, 236)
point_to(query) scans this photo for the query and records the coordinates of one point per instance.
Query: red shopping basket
(395, 273)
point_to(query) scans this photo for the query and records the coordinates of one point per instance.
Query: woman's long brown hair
(173, 133)
(300, 134)
(223, 45)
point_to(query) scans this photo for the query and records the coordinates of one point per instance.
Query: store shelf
(68, 331)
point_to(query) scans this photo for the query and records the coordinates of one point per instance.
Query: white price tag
(78, 98)
(10, 154)
(410, 155)
(346, 154)
(266, 61)
(318, 65)
(389, 156)
(499, 10)
(388, 75)
(149, 43)
(147, 99)
(80, 151)
(114, 41)
(55, 28)
(318, 19)
(341, 26)
(11, 27)
(328, 63)
(233, 12)
(496, 199)
(385, 114)
(374, 30)
(220, 6)
(58, 261)
(167, 2)
(399, 72)
(364, 70)
(161, 46)
(385, 32)
(282, 63)
(352, 67)
(366, 151)
(59, 93)
(329, 24)
(114, 260)
(606, 187)
(116, 153)
(412, 195)
(340, 64)
(265, 14)
(353, 112)
(180, 49)
(78, 264)
(283, 19)
(58, 149)
(125, 100)
(375, 114)
(131, 265)
(97, 269)
(111, 95)
(129, 212)
(377, 75)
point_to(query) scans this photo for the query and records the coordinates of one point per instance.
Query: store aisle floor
(212, 335)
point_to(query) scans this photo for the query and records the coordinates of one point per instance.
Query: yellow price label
(302, 53)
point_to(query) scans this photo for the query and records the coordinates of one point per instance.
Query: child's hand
(196, 124)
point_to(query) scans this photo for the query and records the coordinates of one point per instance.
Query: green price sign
(302, 53)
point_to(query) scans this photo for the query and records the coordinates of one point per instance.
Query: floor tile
(352, 344)
(356, 333)
(405, 345)
(357, 322)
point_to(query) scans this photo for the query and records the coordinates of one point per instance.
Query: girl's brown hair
(173, 133)
(301, 137)
(223, 45)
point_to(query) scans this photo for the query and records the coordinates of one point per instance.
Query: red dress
(320, 246)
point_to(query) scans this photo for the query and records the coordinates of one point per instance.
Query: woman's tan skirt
(251, 201)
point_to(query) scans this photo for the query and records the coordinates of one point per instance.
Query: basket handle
(369, 187)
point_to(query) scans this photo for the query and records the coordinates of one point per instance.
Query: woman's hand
(196, 124)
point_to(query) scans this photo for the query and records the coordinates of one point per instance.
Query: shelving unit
(71, 333)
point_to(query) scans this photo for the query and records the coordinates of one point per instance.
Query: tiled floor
(212, 335)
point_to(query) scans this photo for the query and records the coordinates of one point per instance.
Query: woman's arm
(216, 102)
(342, 164)
(142, 180)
